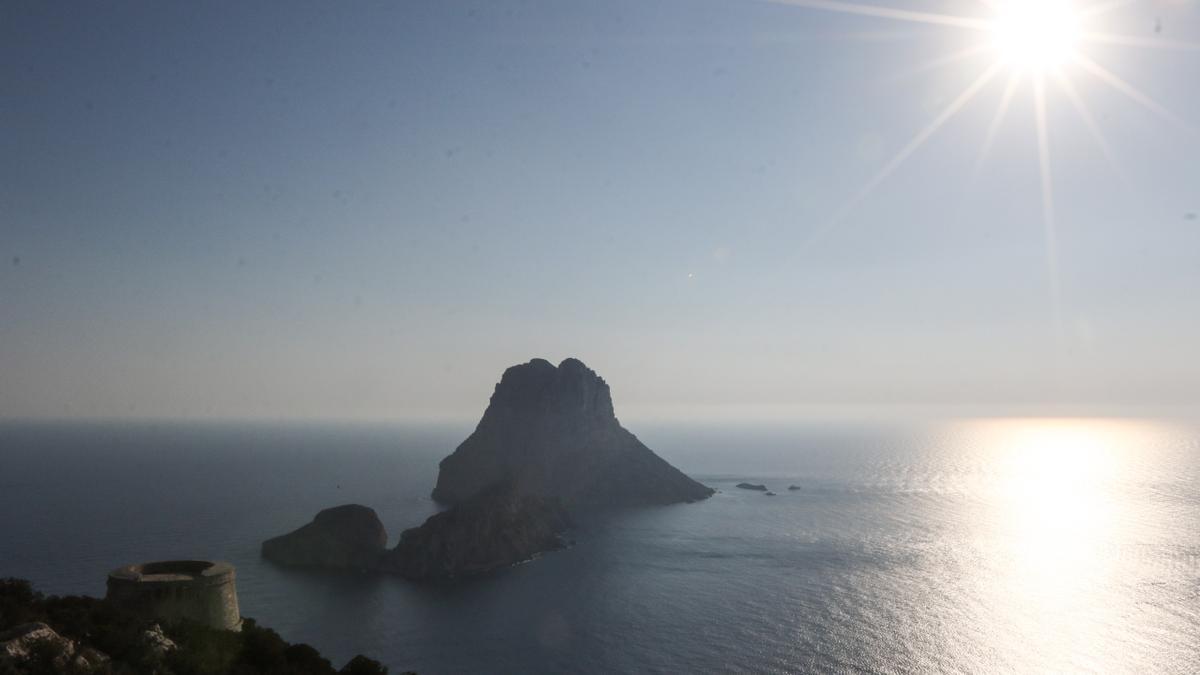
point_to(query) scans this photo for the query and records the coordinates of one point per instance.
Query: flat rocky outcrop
(752, 486)
(346, 537)
(39, 647)
(551, 432)
(496, 528)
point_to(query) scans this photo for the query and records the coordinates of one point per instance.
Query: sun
(1044, 45)
(1037, 35)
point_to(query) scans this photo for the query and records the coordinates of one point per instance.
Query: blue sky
(368, 210)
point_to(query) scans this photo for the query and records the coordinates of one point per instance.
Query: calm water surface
(976, 546)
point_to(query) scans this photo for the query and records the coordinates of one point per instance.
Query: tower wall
(174, 590)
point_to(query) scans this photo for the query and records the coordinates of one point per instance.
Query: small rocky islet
(548, 445)
(348, 537)
(756, 487)
(752, 486)
(767, 492)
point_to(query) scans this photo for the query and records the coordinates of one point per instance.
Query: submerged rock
(551, 432)
(496, 528)
(752, 486)
(349, 536)
(770, 494)
(793, 488)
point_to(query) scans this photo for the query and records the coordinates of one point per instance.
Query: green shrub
(18, 602)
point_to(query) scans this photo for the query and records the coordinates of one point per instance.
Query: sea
(958, 546)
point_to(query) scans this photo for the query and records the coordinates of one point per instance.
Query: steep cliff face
(550, 432)
(349, 536)
(496, 528)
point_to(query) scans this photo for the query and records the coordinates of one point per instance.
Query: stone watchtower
(174, 590)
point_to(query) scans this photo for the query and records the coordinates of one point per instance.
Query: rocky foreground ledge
(89, 636)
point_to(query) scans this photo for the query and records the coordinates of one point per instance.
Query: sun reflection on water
(1058, 502)
(1055, 523)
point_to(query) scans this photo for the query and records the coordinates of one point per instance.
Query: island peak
(552, 432)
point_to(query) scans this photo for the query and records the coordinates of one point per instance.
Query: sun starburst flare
(1037, 42)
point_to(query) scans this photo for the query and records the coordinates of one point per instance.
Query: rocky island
(548, 444)
(552, 431)
(348, 537)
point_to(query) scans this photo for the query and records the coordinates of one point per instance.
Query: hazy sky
(369, 210)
